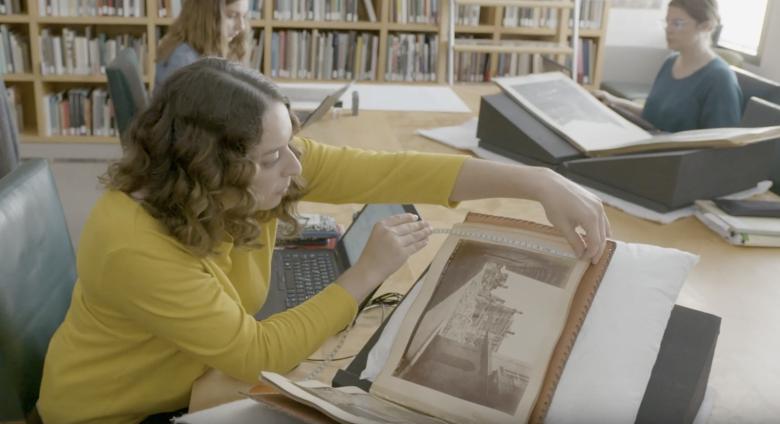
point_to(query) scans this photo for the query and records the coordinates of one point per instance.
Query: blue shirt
(708, 98)
(181, 56)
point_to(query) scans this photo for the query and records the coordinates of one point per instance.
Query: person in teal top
(695, 88)
(708, 98)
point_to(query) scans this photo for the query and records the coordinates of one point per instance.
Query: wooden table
(741, 285)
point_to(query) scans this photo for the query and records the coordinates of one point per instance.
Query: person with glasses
(204, 28)
(695, 88)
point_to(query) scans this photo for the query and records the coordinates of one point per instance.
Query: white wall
(770, 57)
(636, 27)
(640, 27)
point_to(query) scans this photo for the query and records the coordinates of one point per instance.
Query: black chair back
(37, 274)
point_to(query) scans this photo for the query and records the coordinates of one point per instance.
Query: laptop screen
(356, 237)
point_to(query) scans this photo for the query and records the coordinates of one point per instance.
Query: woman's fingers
(399, 219)
(417, 246)
(412, 232)
(574, 239)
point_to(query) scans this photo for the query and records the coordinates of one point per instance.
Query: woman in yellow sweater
(174, 259)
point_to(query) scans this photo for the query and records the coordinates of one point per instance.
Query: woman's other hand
(392, 241)
(603, 96)
(568, 207)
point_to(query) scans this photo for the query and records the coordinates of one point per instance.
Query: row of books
(10, 7)
(591, 12)
(125, 8)
(515, 64)
(15, 102)
(172, 8)
(85, 54)
(411, 57)
(317, 10)
(14, 52)
(530, 17)
(256, 51)
(471, 66)
(324, 55)
(79, 111)
(468, 14)
(474, 67)
(586, 61)
(414, 11)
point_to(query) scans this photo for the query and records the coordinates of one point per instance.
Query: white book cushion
(606, 375)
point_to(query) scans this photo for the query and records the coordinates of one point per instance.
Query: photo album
(596, 130)
(485, 337)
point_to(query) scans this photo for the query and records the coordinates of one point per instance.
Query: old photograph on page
(475, 345)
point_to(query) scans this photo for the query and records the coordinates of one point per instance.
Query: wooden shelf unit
(491, 23)
(35, 85)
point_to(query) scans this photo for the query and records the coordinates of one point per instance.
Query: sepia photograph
(473, 334)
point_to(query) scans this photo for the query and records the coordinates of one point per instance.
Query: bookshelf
(510, 37)
(407, 33)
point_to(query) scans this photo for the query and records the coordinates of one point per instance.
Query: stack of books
(739, 230)
(317, 231)
(14, 52)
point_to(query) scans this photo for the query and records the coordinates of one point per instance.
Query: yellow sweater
(148, 318)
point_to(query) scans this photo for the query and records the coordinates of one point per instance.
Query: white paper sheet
(391, 97)
(377, 356)
(245, 411)
(464, 137)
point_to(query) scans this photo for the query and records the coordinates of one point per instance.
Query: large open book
(486, 337)
(596, 130)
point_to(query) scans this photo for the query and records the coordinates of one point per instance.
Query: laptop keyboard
(306, 273)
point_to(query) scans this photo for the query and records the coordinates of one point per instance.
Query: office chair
(762, 113)
(37, 274)
(126, 88)
(9, 135)
(753, 85)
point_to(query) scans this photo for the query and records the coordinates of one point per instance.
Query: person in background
(204, 28)
(695, 88)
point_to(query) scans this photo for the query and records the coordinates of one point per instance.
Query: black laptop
(298, 274)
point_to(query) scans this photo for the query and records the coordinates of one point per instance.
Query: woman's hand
(603, 96)
(568, 207)
(391, 243)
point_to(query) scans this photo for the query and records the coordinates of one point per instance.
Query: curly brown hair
(190, 147)
(199, 24)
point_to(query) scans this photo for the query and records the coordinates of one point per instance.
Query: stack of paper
(739, 230)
